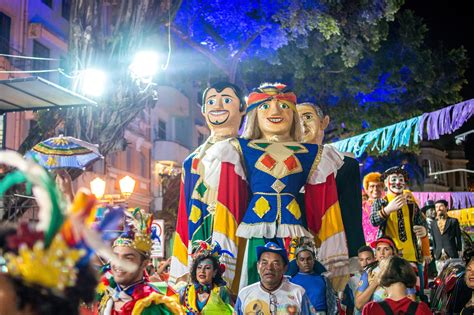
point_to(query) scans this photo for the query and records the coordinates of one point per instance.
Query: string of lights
(29, 57)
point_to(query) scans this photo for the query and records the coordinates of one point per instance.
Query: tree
(107, 34)
(228, 32)
(400, 80)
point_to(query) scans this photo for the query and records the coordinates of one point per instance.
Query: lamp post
(127, 185)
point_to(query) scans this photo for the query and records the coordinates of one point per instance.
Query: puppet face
(395, 183)
(275, 119)
(374, 190)
(222, 112)
(313, 125)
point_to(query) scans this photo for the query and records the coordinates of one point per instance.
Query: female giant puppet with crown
(275, 168)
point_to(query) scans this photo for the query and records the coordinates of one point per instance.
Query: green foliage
(401, 78)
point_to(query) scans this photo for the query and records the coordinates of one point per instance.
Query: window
(457, 177)
(426, 167)
(49, 3)
(66, 9)
(5, 24)
(143, 160)
(40, 50)
(161, 135)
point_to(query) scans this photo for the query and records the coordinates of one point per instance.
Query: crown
(138, 234)
(53, 267)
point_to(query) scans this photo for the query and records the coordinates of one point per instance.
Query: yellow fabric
(406, 248)
(331, 222)
(262, 206)
(294, 209)
(180, 250)
(156, 298)
(195, 214)
(224, 222)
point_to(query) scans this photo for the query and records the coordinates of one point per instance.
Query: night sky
(451, 22)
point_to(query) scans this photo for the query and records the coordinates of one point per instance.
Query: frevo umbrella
(65, 152)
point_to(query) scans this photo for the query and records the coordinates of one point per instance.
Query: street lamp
(127, 185)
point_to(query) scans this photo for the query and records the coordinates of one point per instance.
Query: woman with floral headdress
(207, 293)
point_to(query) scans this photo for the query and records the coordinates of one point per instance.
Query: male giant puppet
(223, 107)
(347, 179)
(275, 166)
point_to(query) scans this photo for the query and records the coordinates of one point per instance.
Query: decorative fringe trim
(269, 230)
(411, 131)
(331, 161)
(456, 200)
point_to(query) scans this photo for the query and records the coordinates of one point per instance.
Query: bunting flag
(456, 200)
(428, 126)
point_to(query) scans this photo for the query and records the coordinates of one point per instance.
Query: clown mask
(395, 184)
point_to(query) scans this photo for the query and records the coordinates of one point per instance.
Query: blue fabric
(260, 183)
(315, 287)
(363, 282)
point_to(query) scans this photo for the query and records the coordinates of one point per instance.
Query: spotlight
(144, 66)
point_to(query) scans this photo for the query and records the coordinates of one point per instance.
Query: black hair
(219, 87)
(218, 280)
(365, 248)
(468, 255)
(444, 202)
(398, 270)
(395, 170)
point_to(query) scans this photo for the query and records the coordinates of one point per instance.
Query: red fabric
(257, 97)
(319, 198)
(398, 307)
(182, 219)
(233, 192)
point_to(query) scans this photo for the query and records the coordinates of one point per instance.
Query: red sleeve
(372, 308)
(423, 309)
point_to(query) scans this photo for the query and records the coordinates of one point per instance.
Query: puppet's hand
(397, 203)
(420, 231)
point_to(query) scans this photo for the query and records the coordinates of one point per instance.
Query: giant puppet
(373, 187)
(274, 166)
(223, 107)
(398, 216)
(347, 179)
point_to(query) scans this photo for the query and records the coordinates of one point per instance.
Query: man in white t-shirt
(274, 294)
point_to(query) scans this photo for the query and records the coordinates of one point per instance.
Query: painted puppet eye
(264, 106)
(227, 100)
(211, 102)
(284, 106)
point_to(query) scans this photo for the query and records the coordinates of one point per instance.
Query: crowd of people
(267, 224)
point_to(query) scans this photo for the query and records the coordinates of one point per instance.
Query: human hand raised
(420, 231)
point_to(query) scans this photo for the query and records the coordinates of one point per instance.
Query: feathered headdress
(203, 248)
(50, 254)
(138, 232)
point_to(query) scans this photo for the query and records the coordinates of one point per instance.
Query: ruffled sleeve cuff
(226, 151)
(327, 162)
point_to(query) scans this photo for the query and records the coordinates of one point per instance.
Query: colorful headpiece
(395, 170)
(267, 91)
(371, 177)
(50, 255)
(203, 248)
(138, 232)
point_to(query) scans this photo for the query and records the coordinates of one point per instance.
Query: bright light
(145, 65)
(98, 187)
(93, 82)
(127, 185)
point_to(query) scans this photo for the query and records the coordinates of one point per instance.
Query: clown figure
(398, 216)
